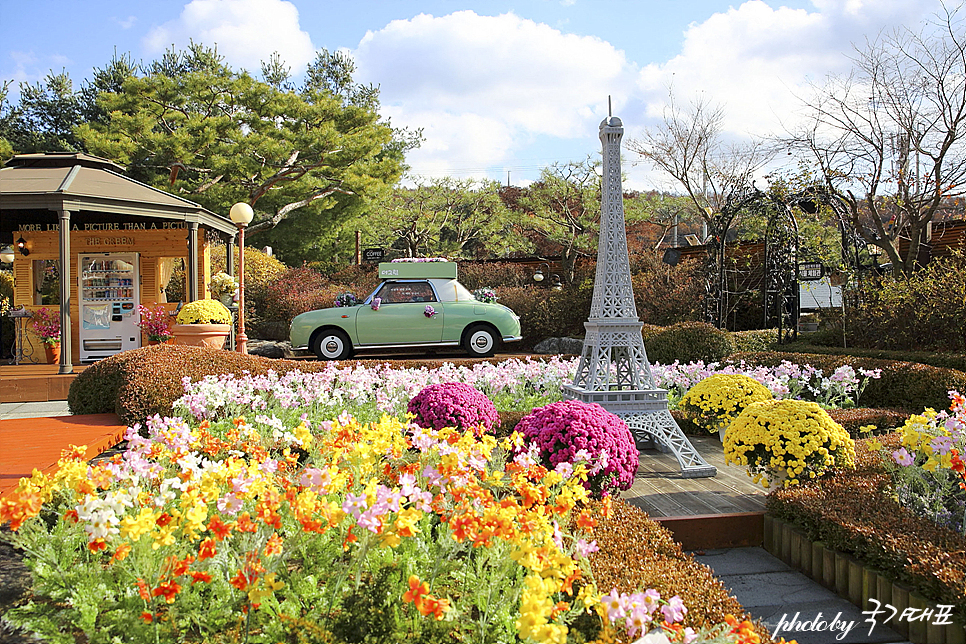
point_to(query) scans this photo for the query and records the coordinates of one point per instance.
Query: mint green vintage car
(418, 304)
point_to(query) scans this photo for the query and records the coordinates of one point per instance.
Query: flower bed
(854, 512)
(246, 528)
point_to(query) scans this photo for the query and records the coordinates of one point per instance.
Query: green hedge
(904, 385)
(687, 342)
(949, 360)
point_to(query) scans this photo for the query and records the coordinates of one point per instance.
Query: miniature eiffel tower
(614, 371)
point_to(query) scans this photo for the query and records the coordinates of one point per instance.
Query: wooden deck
(723, 511)
(35, 382)
(27, 444)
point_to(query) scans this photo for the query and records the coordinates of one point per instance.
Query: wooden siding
(151, 245)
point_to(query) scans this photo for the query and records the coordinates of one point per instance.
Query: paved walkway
(35, 442)
(777, 594)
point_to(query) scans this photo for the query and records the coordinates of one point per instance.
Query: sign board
(417, 270)
(810, 271)
(373, 254)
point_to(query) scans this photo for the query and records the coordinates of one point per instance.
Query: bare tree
(690, 147)
(889, 137)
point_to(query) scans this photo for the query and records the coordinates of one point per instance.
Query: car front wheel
(480, 341)
(332, 344)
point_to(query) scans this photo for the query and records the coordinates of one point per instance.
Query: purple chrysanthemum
(571, 431)
(453, 404)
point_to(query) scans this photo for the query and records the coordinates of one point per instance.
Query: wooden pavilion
(56, 207)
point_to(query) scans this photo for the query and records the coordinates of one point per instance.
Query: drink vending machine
(108, 289)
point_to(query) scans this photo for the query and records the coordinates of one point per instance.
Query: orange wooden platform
(27, 444)
(35, 382)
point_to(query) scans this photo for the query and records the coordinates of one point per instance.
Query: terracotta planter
(53, 353)
(201, 335)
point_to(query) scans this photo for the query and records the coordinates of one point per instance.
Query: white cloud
(484, 86)
(756, 60)
(125, 23)
(246, 32)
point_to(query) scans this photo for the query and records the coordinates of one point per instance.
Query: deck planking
(660, 490)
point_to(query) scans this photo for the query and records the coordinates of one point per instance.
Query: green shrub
(923, 311)
(545, 313)
(950, 360)
(854, 512)
(665, 294)
(756, 340)
(904, 385)
(689, 342)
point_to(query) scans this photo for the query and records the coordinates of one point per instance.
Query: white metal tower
(614, 371)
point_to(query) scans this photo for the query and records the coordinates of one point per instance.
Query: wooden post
(358, 247)
(65, 283)
(192, 280)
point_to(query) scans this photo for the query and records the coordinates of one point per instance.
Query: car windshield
(452, 291)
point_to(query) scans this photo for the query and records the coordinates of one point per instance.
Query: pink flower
(903, 457)
(674, 610)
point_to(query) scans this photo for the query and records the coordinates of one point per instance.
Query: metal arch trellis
(780, 282)
(780, 285)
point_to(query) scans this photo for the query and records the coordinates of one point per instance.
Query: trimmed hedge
(853, 512)
(949, 360)
(687, 342)
(143, 382)
(636, 552)
(905, 386)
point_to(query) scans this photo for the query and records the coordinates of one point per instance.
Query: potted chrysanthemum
(716, 401)
(783, 442)
(203, 323)
(224, 287)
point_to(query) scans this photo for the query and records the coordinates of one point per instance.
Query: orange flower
(220, 529)
(239, 581)
(121, 553)
(163, 520)
(274, 545)
(584, 520)
(181, 567)
(416, 590)
(245, 523)
(197, 576)
(143, 590)
(168, 590)
(206, 550)
(147, 617)
(97, 545)
(429, 605)
(74, 453)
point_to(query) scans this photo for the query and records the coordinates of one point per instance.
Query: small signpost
(810, 271)
(373, 254)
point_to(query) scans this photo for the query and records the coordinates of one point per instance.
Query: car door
(401, 317)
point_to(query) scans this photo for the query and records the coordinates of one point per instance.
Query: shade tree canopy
(303, 157)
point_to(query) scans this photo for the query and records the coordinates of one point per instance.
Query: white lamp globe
(241, 214)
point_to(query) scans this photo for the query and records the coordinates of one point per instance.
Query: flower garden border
(855, 581)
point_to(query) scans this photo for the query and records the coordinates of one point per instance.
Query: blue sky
(496, 86)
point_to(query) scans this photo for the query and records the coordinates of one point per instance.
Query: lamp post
(241, 215)
(538, 276)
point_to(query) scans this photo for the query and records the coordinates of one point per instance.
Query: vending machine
(108, 288)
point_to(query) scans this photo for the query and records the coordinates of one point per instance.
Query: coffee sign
(373, 254)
